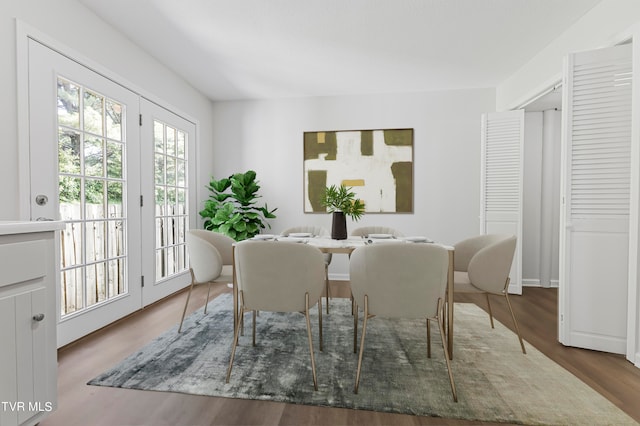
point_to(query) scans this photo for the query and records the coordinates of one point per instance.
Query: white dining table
(347, 246)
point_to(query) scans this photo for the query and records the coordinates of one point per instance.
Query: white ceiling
(252, 49)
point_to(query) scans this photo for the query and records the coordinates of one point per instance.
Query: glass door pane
(91, 182)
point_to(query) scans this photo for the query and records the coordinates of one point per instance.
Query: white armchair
(367, 230)
(482, 265)
(316, 231)
(210, 260)
(401, 281)
(278, 276)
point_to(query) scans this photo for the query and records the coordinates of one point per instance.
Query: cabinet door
(8, 379)
(23, 368)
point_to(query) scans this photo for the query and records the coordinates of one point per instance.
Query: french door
(166, 152)
(115, 168)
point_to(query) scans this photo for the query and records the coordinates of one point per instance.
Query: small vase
(339, 226)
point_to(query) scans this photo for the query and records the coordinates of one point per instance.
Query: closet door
(596, 176)
(502, 182)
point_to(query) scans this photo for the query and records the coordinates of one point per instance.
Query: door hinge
(142, 201)
(142, 280)
(140, 118)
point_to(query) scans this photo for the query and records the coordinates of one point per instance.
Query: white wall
(541, 216)
(550, 202)
(74, 26)
(267, 136)
(531, 203)
(609, 22)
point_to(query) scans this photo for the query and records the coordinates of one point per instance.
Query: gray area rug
(495, 381)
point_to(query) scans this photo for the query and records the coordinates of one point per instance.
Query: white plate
(292, 239)
(418, 239)
(301, 235)
(264, 237)
(380, 236)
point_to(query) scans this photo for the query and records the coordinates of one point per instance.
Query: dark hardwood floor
(79, 404)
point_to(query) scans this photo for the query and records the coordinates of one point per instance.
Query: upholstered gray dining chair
(210, 260)
(315, 231)
(278, 276)
(482, 265)
(368, 230)
(401, 281)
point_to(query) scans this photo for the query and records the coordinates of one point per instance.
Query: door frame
(25, 32)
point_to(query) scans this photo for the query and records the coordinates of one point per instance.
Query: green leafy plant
(341, 198)
(231, 209)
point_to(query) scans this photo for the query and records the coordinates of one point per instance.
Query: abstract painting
(376, 164)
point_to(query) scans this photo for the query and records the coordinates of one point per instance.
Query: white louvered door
(594, 240)
(502, 182)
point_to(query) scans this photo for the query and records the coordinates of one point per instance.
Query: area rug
(494, 380)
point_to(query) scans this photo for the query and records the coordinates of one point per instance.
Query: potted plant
(232, 209)
(342, 202)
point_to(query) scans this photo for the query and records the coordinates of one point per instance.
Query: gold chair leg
(326, 283)
(364, 332)
(440, 320)
(235, 338)
(513, 315)
(320, 320)
(254, 327)
(313, 360)
(206, 305)
(354, 312)
(184, 311)
(490, 313)
(428, 338)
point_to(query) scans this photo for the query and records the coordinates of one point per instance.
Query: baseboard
(339, 277)
(530, 282)
(536, 283)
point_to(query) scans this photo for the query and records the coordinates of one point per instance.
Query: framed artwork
(376, 164)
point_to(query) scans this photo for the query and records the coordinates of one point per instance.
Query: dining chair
(401, 281)
(368, 230)
(210, 260)
(316, 231)
(278, 276)
(482, 265)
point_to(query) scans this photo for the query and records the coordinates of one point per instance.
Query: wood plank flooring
(79, 404)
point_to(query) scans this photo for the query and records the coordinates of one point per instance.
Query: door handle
(41, 199)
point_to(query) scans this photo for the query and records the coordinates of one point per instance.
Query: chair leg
(326, 284)
(235, 340)
(206, 305)
(184, 311)
(320, 320)
(313, 360)
(354, 313)
(254, 327)
(364, 332)
(490, 313)
(515, 323)
(446, 351)
(428, 338)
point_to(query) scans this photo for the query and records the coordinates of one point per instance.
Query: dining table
(347, 246)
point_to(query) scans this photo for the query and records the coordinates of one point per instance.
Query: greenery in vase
(341, 198)
(232, 209)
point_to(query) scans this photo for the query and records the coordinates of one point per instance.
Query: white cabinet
(28, 356)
